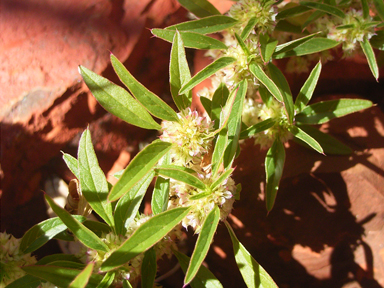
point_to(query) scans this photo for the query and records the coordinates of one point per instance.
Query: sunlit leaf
(274, 164)
(257, 128)
(206, 25)
(253, 273)
(144, 161)
(179, 73)
(156, 106)
(148, 268)
(285, 47)
(85, 236)
(182, 174)
(218, 152)
(207, 72)
(300, 134)
(190, 39)
(117, 100)
(203, 243)
(107, 280)
(248, 28)
(267, 47)
(145, 237)
(309, 86)
(72, 164)
(93, 183)
(201, 8)
(221, 178)
(219, 99)
(324, 111)
(324, 8)
(82, 279)
(292, 12)
(371, 58)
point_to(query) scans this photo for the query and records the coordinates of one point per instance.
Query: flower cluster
(12, 259)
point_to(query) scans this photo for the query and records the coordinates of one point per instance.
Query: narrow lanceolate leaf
(365, 6)
(203, 279)
(206, 105)
(221, 178)
(279, 79)
(203, 243)
(93, 183)
(190, 39)
(148, 268)
(248, 28)
(371, 58)
(82, 279)
(218, 152)
(139, 167)
(286, 26)
(330, 145)
(128, 205)
(156, 106)
(258, 72)
(234, 125)
(207, 72)
(182, 174)
(201, 8)
(309, 86)
(312, 18)
(292, 12)
(160, 195)
(107, 280)
(253, 273)
(242, 44)
(274, 164)
(179, 73)
(26, 281)
(145, 237)
(126, 284)
(72, 164)
(267, 47)
(226, 111)
(41, 233)
(311, 46)
(117, 100)
(219, 99)
(59, 276)
(99, 228)
(283, 48)
(257, 128)
(379, 5)
(206, 25)
(300, 134)
(329, 9)
(85, 236)
(322, 112)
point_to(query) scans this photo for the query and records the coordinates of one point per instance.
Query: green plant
(192, 161)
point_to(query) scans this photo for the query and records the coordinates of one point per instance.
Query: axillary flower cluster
(192, 138)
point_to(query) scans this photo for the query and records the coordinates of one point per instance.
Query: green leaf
(82, 279)
(139, 167)
(26, 281)
(57, 258)
(201, 8)
(253, 273)
(309, 86)
(330, 145)
(85, 236)
(267, 47)
(234, 125)
(203, 243)
(72, 164)
(128, 205)
(206, 104)
(126, 284)
(207, 72)
(97, 227)
(156, 106)
(41, 233)
(203, 279)
(368, 51)
(257, 128)
(365, 6)
(329, 9)
(248, 28)
(226, 111)
(265, 96)
(190, 39)
(68, 264)
(312, 18)
(182, 174)
(258, 72)
(309, 47)
(221, 178)
(274, 164)
(324, 111)
(300, 134)
(145, 237)
(107, 280)
(379, 5)
(148, 269)
(219, 99)
(93, 183)
(206, 25)
(292, 12)
(117, 100)
(59, 276)
(160, 195)
(288, 46)
(286, 26)
(377, 41)
(279, 79)
(179, 73)
(218, 152)
(242, 45)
